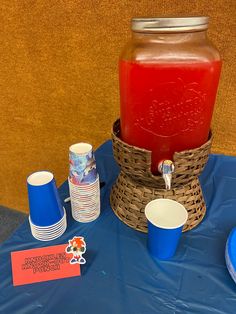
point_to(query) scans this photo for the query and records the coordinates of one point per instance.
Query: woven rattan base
(136, 185)
(129, 198)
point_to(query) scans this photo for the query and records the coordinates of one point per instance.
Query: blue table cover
(120, 277)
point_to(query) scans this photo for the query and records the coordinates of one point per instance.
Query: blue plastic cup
(165, 223)
(44, 202)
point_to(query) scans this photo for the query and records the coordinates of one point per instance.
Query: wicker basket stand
(136, 185)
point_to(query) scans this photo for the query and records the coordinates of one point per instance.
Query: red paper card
(42, 264)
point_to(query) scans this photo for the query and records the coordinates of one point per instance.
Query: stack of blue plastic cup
(47, 216)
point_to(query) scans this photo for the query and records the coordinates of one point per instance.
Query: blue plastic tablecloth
(120, 277)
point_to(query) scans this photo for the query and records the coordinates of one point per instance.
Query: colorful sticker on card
(76, 248)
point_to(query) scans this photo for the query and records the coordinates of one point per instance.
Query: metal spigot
(166, 168)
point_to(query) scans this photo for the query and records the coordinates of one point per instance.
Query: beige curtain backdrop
(59, 82)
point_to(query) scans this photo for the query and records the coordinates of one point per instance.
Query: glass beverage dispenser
(169, 74)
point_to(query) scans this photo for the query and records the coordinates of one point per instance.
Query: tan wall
(59, 84)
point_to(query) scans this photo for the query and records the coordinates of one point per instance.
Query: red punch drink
(169, 74)
(167, 107)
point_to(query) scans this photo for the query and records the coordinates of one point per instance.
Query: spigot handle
(166, 168)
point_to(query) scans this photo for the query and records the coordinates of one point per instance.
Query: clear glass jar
(169, 74)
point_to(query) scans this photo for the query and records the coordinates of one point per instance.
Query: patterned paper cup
(85, 203)
(82, 164)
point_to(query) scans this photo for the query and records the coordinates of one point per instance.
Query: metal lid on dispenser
(170, 24)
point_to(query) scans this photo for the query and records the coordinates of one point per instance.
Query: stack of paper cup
(47, 216)
(83, 183)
